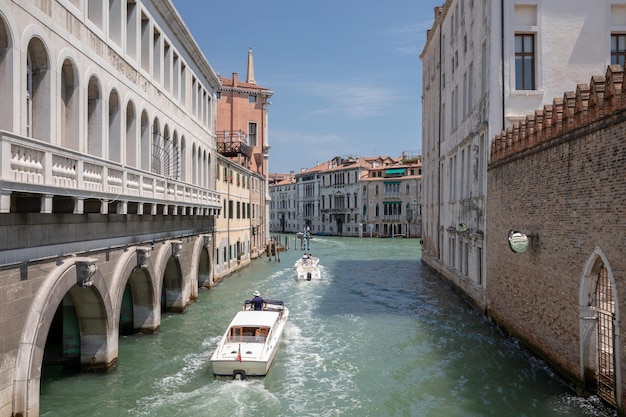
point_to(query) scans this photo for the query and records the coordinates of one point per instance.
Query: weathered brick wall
(565, 188)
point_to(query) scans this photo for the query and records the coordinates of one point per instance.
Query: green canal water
(378, 335)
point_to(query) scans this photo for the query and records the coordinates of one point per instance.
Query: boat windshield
(248, 334)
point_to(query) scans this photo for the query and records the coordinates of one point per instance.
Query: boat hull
(242, 356)
(308, 273)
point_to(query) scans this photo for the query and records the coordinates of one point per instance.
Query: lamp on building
(462, 227)
(177, 246)
(143, 256)
(84, 271)
(207, 241)
(518, 241)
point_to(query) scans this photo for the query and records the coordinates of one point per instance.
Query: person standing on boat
(257, 301)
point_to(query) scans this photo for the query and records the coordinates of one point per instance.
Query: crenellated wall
(590, 103)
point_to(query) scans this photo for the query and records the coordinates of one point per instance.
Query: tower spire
(250, 73)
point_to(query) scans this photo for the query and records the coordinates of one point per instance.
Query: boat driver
(257, 301)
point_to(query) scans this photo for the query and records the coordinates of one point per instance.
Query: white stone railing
(31, 165)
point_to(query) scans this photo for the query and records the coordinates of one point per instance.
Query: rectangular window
(525, 61)
(252, 134)
(251, 99)
(618, 49)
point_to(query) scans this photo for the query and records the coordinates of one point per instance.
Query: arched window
(377, 210)
(70, 137)
(145, 150)
(183, 159)
(37, 93)
(115, 128)
(155, 154)
(94, 117)
(6, 77)
(131, 135)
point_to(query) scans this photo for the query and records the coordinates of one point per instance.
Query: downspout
(502, 60)
(439, 145)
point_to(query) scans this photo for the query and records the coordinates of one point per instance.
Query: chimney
(250, 74)
(235, 80)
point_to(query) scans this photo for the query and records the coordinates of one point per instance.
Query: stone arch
(145, 141)
(7, 75)
(183, 159)
(69, 98)
(201, 271)
(131, 135)
(94, 116)
(98, 343)
(114, 144)
(194, 163)
(172, 287)
(588, 322)
(134, 267)
(156, 143)
(37, 90)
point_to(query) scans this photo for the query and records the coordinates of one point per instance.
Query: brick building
(558, 177)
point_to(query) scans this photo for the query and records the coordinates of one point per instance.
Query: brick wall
(559, 176)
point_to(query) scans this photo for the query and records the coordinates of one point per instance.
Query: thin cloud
(355, 101)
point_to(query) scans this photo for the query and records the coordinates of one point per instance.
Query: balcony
(233, 143)
(32, 166)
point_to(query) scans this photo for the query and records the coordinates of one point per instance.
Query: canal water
(378, 335)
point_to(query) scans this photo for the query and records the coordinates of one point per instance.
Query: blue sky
(346, 74)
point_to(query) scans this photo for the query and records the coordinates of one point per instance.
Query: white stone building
(108, 106)
(487, 64)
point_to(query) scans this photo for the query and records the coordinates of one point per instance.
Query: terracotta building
(242, 176)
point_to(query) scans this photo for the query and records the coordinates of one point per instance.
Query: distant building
(344, 196)
(392, 198)
(283, 206)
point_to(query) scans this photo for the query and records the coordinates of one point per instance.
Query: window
(525, 61)
(252, 138)
(618, 49)
(251, 99)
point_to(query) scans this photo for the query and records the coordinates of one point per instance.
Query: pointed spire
(250, 74)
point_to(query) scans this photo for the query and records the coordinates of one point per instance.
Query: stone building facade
(108, 200)
(558, 178)
(485, 64)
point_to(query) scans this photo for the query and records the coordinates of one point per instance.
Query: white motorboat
(307, 267)
(249, 345)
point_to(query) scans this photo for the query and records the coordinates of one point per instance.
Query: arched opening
(136, 311)
(94, 117)
(145, 142)
(131, 135)
(599, 319)
(183, 159)
(70, 137)
(37, 110)
(115, 127)
(175, 174)
(6, 76)
(204, 269)
(156, 148)
(194, 153)
(172, 287)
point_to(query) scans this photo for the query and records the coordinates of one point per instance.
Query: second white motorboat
(307, 267)
(249, 345)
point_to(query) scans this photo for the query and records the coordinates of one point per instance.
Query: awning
(395, 171)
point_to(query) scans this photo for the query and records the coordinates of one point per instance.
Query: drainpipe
(502, 60)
